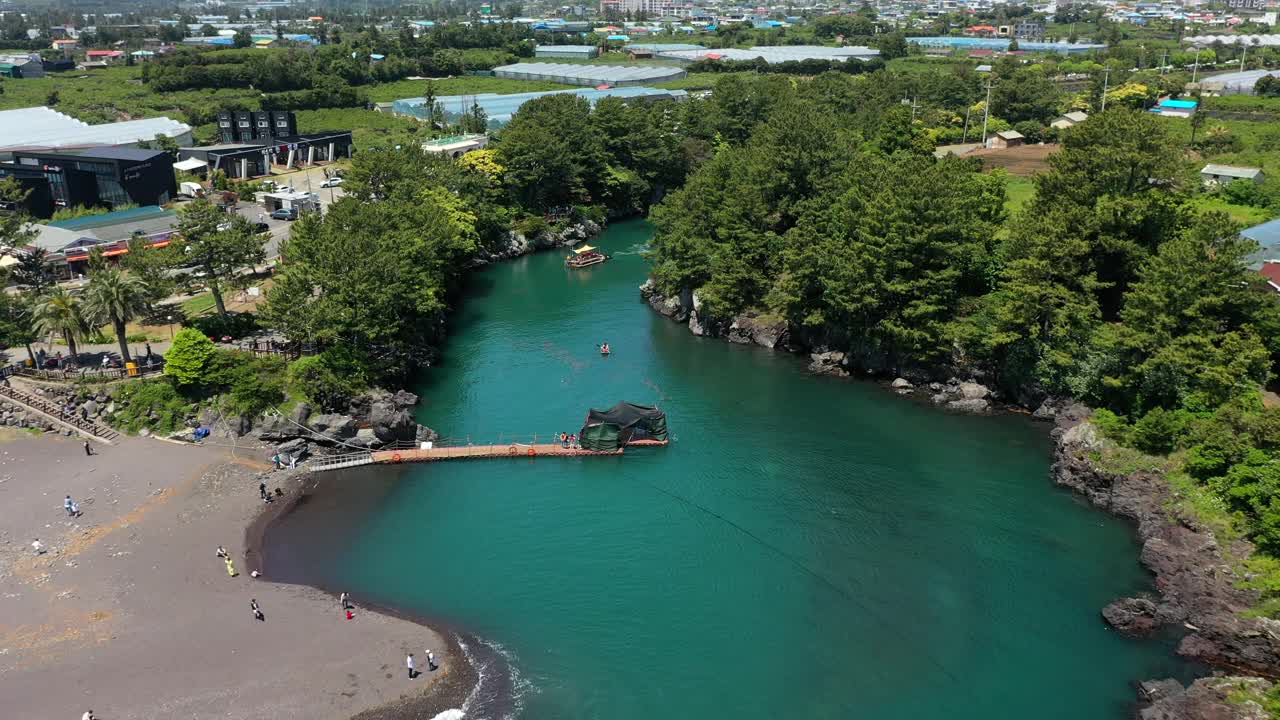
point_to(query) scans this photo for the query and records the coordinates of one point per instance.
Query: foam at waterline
(488, 683)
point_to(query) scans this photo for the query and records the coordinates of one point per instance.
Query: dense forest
(825, 209)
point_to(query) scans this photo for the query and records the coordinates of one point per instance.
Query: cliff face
(1195, 578)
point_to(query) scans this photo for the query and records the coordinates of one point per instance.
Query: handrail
(59, 415)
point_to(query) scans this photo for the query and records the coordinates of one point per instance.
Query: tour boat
(585, 256)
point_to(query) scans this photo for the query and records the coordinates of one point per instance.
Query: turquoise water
(805, 548)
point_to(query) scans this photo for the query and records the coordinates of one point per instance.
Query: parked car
(261, 228)
(331, 182)
(284, 214)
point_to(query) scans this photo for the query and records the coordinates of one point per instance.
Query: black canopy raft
(623, 424)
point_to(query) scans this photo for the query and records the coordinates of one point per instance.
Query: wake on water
(500, 688)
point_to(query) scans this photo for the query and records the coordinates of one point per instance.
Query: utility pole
(1164, 62)
(1195, 68)
(965, 138)
(1243, 52)
(986, 114)
(1106, 77)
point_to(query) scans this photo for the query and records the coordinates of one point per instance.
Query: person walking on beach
(413, 673)
(257, 611)
(262, 490)
(431, 661)
(37, 546)
(88, 449)
(231, 568)
(67, 505)
(345, 599)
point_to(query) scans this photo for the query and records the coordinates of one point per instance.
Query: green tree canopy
(115, 297)
(188, 357)
(217, 246)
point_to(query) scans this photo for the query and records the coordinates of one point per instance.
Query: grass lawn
(697, 81)
(1247, 215)
(198, 305)
(1018, 191)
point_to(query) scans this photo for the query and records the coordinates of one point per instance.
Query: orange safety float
(532, 452)
(395, 458)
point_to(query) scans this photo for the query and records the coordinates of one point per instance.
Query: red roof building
(1271, 271)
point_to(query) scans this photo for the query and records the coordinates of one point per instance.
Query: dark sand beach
(131, 614)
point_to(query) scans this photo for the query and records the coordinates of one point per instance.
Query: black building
(247, 127)
(255, 158)
(105, 176)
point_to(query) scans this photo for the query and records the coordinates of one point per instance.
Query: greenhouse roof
(591, 74)
(777, 54)
(500, 108)
(40, 128)
(664, 47)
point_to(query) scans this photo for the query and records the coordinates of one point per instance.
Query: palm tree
(115, 297)
(58, 312)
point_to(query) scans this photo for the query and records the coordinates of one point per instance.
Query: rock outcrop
(1213, 698)
(1195, 576)
(514, 244)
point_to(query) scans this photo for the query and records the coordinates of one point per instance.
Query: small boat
(604, 349)
(585, 256)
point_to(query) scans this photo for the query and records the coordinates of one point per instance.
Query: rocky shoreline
(1196, 582)
(516, 243)
(1195, 578)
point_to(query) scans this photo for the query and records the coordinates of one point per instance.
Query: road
(308, 180)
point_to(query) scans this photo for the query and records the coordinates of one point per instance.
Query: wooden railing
(62, 416)
(87, 372)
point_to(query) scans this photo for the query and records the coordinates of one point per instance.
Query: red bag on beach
(349, 615)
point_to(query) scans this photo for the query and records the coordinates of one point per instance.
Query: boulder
(1134, 616)
(426, 434)
(365, 438)
(404, 399)
(334, 427)
(90, 407)
(901, 384)
(301, 412)
(295, 448)
(828, 363)
(969, 405)
(973, 391)
(390, 423)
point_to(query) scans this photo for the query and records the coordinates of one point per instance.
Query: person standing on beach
(262, 490)
(67, 505)
(37, 546)
(231, 568)
(413, 673)
(222, 553)
(257, 611)
(88, 449)
(345, 599)
(88, 715)
(431, 661)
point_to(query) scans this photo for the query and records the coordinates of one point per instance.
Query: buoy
(532, 452)
(395, 458)
(512, 450)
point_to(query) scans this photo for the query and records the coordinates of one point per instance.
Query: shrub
(1158, 432)
(1112, 426)
(188, 358)
(248, 385)
(137, 338)
(152, 404)
(234, 325)
(327, 380)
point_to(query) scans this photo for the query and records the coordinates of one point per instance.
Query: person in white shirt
(66, 505)
(431, 661)
(409, 661)
(88, 715)
(37, 546)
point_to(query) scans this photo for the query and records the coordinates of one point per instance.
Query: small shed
(1006, 139)
(1214, 174)
(1070, 119)
(573, 52)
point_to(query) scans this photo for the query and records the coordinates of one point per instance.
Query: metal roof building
(663, 47)
(570, 74)
(40, 128)
(779, 54)
(978, 43)
(500, 108)
(576, 52)
(1267, 235)
(1236, 83)
(1234, 39)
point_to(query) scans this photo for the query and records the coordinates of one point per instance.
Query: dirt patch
(1022, 161)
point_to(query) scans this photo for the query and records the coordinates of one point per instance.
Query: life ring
(395, 458)
(512, 450)
(531, 452)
